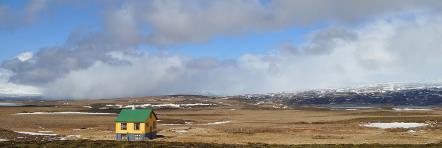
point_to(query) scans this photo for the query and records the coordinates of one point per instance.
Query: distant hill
(20, 98)
(416, 94)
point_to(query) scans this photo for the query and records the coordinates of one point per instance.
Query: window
(136, 126)
(123, 126)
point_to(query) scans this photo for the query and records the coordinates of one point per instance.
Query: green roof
(134, 115)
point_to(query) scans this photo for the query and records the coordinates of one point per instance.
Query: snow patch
(196, 104)
(87, 106)
(171, 124)
(351, 109)
(75, 136)
(181, 131)
(114, 105)
(220, 122)
(167, 105)
(170, 105)
(185, 123)
(138, 106)
(412, 109)
(35, 134)
(395, 125)
(64, 113)
(71, 137)
(3, 140)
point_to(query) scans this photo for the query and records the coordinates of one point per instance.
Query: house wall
(150, 123)
(130, 128)
(145, 131)
(132, 137)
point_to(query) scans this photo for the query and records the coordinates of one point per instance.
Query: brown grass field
(233, 122)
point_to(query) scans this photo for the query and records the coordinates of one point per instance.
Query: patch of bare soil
(174, 121)
(13, 136)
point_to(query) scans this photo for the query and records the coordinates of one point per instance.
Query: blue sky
(51, 29)
(251, 43)
(56, 24)
(90, 49)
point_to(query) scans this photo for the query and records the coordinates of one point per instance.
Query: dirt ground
(233, 122)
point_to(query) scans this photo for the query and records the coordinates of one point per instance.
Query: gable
(136, 115)
(154, 115)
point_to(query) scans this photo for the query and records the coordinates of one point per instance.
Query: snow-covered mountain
(382, 94)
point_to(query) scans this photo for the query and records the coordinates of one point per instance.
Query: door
(124, 137)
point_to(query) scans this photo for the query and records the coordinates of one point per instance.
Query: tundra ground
(227, 122)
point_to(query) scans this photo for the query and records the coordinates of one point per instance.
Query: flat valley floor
(228, 122)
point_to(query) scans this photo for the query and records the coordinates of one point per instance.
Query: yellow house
(136, 124)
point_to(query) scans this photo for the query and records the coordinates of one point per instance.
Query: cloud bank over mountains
(363, 42)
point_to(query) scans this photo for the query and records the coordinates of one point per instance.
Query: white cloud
(105, 64)
(23, 57)
(393, 49)
(8, 89)
(175, 22)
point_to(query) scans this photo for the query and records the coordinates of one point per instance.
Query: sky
(108, 49)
